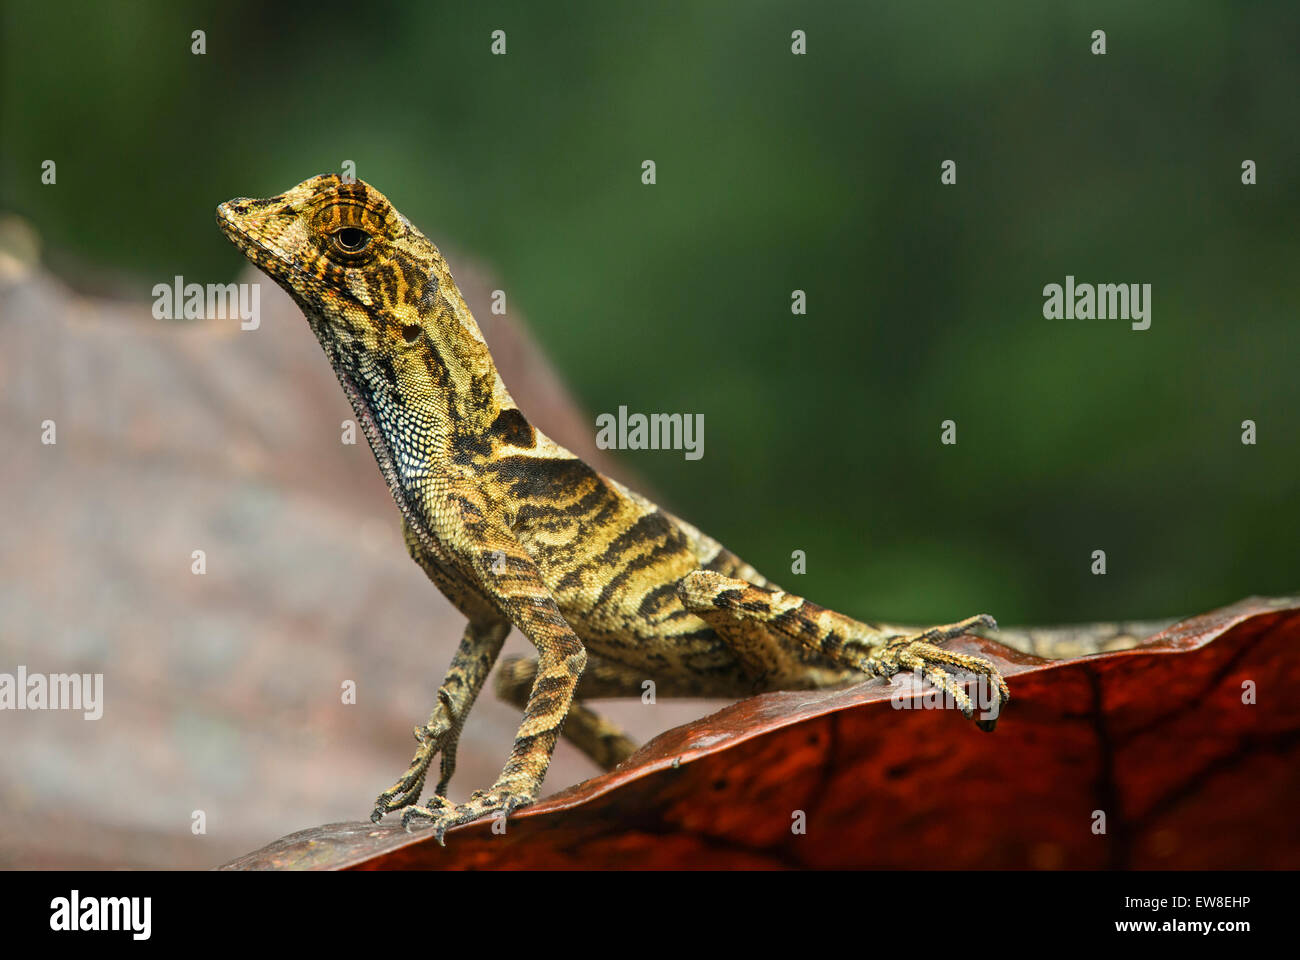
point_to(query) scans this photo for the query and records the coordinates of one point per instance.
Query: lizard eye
(411, 332)
(351, 239)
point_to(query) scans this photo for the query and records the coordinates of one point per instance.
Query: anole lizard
(517, 531)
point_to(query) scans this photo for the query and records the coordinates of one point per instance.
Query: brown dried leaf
(1156, 737)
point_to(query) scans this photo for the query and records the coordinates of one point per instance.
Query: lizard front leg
(478, 651)
(600, 739)
(752, 618)
(603, 741)
(507, 575)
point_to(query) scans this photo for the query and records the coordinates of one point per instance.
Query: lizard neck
(445, 411)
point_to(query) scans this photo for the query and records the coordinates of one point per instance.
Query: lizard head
(370, 281)
(376, 291)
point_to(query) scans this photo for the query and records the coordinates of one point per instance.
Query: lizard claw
(438, 736)
(944, 669)
(442, 814)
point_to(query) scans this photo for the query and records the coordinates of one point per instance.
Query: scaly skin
(517, 531)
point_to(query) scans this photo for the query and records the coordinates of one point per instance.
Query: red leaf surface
(1157, 738)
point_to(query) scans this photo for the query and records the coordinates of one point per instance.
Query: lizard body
(517, 531)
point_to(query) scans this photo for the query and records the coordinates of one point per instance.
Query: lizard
(516, 531)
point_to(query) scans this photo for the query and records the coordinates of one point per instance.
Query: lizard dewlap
(611, 589)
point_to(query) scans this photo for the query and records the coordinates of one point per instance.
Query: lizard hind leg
(755, 619)
(604, 742)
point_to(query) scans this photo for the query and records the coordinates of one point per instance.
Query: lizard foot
(943, 668)
(438, 736)
(442, 814)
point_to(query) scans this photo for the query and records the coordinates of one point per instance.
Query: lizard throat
(380, 447)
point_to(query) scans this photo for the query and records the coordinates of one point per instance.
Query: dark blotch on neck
(510, 427)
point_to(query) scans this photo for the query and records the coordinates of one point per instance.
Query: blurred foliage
(777, 172)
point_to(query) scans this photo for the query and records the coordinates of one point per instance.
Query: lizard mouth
(230, 220)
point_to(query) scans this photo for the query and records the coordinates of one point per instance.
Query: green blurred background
(779, 172)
